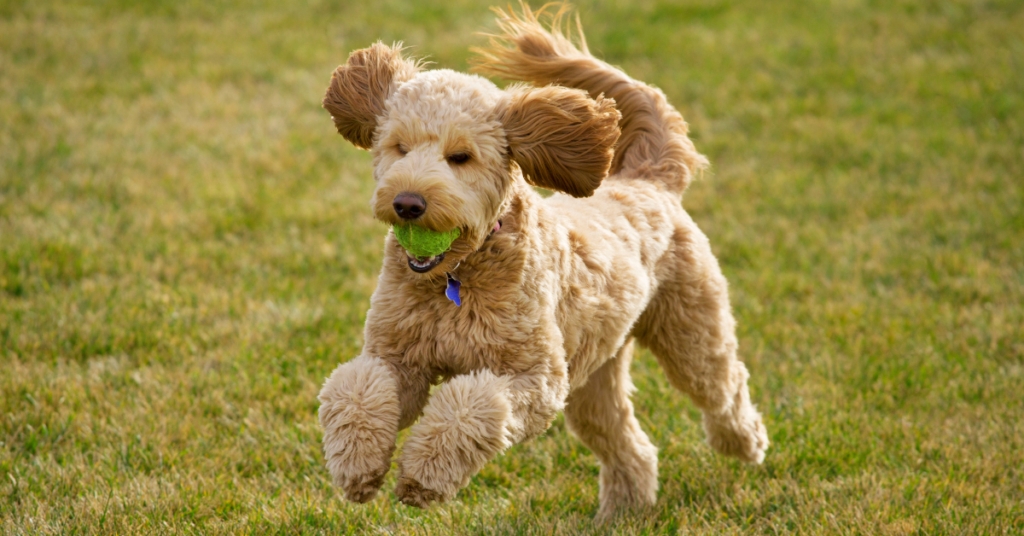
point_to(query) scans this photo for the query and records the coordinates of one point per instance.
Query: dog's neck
(508, 223)
(483, 267)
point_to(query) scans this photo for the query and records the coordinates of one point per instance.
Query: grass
(186, 251)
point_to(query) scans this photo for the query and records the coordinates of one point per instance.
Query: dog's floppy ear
(560, 137)
(359, 89)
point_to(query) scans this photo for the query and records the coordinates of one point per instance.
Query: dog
(552, 292)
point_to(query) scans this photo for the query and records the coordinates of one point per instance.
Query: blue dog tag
(452, 292)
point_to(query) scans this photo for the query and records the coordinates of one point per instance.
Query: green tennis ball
(424, 242)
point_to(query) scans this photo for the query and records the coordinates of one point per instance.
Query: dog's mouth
(422, 265)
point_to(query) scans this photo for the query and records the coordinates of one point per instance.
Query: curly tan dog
(553, 291)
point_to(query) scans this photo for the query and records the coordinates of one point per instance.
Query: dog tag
(452, 292)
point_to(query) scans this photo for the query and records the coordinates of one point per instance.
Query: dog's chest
(425, 329)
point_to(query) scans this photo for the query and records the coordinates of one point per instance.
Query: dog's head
(446, 145)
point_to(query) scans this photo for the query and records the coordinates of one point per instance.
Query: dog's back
(685, 319)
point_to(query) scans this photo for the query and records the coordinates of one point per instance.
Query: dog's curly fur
(551, 303)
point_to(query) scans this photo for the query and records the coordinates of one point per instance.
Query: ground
(186, 252)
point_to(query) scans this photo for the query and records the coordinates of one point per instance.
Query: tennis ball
(424, 242)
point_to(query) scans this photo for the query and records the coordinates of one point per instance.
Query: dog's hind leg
(601, 415)
(690, 329)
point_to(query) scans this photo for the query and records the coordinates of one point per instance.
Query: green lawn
(186, 251)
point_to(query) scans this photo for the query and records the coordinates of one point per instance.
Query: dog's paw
(412, 493)
(358, 470)
(759, 443)
(361, 488)
(745, 438)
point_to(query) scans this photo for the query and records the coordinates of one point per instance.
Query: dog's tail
(653, 144)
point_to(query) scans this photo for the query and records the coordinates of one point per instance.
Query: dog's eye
(401, 149)
(458, 158)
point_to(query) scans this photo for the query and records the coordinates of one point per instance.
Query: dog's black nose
(409, 206)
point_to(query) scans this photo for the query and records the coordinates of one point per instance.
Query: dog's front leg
(362, 406)
(468, 421)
